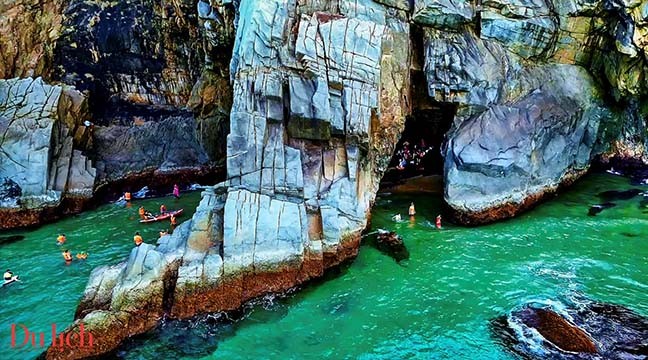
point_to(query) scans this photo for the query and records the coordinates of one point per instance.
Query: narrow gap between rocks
(417, 162)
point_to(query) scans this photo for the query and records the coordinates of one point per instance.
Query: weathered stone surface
(444, 14)
(498, 160)
(168, 142)
(297, 194)
(124, 58)
(29, 31)
(40, 152)
(585, 329)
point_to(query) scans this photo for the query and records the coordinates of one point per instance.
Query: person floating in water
(82, 255)
(176, 191)
(396, 217)
(138, 239)
(163, 209)
(438, 222)
(142, 212)
(60, 240)
(412, 210)
(127, 196)
(173, 221)
(8, 275)
(67, 256)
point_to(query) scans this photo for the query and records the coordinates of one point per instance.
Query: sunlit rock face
(319, 101)
(43, 147)
(534, 82)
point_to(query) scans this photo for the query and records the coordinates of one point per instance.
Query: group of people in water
(411, 211)
(411, 157)
(67, 255)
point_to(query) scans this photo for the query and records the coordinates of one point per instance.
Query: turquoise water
(435, 305)
(50, 290)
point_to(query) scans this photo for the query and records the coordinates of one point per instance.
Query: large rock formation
(136, 77)
(529, 112)
(43, 157)
(309, 139)
(318, 92)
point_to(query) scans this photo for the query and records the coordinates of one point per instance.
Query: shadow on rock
(588, 330)
(390, 243)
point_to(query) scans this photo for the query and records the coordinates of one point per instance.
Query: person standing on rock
(438, 222)
(176, 191)
(412, 210)
(138, 239)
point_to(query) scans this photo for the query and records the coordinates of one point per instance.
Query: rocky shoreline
(159, 182)
(184, 276)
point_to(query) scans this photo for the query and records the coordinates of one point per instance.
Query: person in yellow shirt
(60, 240)
(138, 239)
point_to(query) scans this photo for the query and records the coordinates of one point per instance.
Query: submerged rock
(619, 194)
(589, 330)
(392, 244)
(595, 209)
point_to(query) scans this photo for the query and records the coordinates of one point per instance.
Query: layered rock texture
(146, 75)
(309, 139)
(304, 101)
(42, 150)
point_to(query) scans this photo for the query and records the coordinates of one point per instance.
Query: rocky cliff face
(319, 92)
(43, 150)
(134, 66)
(309, 139)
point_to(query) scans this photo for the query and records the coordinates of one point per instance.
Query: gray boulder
(505, 159)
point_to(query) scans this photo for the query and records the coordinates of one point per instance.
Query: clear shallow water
(50, 290)
(436, 305)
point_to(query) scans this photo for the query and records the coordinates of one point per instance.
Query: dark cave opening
(418, 153)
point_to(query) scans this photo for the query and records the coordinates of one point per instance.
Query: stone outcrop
(29, 31)
(165, 142)
(583, 330)
(505, 159)
(43, 150)
(128, 51)
(313, 100)
(309, 139)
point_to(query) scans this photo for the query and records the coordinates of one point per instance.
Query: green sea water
(435, 305)
(50, 290)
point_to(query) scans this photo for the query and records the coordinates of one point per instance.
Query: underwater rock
(391, 243)
(595, 209)
(619, 194)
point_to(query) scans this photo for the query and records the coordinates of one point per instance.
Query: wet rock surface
(595, 209)
(588, 330)
(391, 243)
